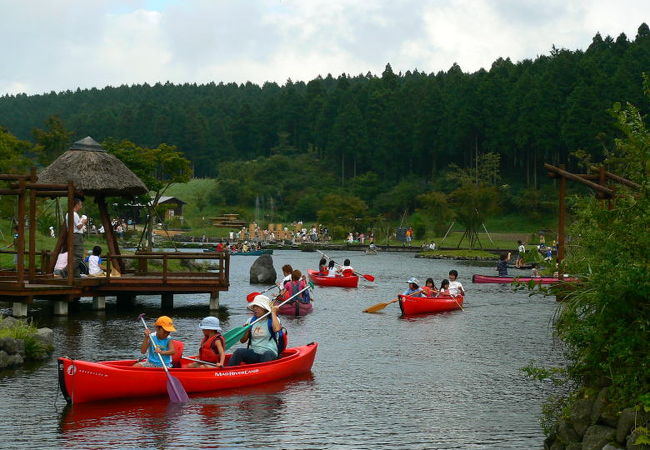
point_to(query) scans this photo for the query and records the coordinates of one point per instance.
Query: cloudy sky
(54, 45)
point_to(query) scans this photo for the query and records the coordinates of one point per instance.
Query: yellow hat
(166, 323)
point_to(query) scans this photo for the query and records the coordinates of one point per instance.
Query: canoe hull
(427, 305)
(540, 280)
(319, 280)
(253, 253)
(84, 381)
(296, 309)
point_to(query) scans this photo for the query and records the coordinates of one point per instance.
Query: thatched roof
(93, 170)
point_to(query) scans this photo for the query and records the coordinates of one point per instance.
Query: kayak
(423, 305)
(319, 280)
(84, 381)
(296, 308)
(540, 280)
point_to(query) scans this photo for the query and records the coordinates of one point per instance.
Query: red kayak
(540, 280)
(83, 381)
(319, 280)
(296, 308)
(424, 305)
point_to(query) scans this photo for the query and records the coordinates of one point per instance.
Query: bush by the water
(37, 346)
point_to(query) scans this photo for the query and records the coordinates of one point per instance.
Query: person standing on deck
(77, 233)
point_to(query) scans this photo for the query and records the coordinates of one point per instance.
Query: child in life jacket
(444, 288)
(429, 288)
(213, 344)
(162, 344)
(322, 267)
(296, 285)
(346, 269)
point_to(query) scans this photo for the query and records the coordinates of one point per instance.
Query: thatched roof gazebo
(97, 173)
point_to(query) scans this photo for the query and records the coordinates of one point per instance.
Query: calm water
(439, 381)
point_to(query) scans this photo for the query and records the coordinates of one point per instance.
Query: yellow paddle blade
(379, 306)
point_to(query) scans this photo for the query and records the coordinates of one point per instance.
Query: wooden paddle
(233, 336)
(250, 297)
(380, 306)
(459, 305)
(200, 361)
(364, 275)
(175, 388)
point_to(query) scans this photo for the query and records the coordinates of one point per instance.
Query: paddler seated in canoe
(261, 337)
(331, 269)
(163, 344)
(429, 288)
(322, 267)
(212, 345)
(297, 284)
(444, 288)
(346, 269)
(413, 289)
(286, 272)
(455, 288)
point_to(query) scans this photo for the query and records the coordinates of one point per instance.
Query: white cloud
(84, 43)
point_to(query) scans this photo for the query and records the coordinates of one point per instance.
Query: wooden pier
(32, 276)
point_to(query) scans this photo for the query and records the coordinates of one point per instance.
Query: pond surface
(449, 380)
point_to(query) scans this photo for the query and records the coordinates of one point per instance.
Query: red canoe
(424, 305)
(541, 280)
(319, 280)
(83, 381)
(296, 308)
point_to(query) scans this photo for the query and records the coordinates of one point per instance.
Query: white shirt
(61, 261)
(93, 265)
(522, 249)
(77, 222)
(332, 272)
(455, 287)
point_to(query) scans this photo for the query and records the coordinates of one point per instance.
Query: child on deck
(429, 288)
(502, 265)
(455, 288)
(163, 345)
(95, 268)
(213, 344)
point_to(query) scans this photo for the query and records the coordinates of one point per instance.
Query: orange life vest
(209, 351)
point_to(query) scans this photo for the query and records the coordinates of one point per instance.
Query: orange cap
(166, 323)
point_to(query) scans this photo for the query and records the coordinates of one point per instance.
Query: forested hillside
(395, 125)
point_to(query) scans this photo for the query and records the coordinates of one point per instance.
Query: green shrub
(26, 331)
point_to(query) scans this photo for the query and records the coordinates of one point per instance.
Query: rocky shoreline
(593, 423)
(32, 345)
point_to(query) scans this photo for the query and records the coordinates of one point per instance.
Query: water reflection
(159, 423)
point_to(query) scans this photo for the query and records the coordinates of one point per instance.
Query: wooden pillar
(99, 303)
(69, 234)
(125, 300)
(214, 301)
(32, 228)
(60, 308)
(20, 244)
(111, 241)
(167, 300)
(19, 309)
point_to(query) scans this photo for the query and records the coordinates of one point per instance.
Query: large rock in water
(262, 270)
